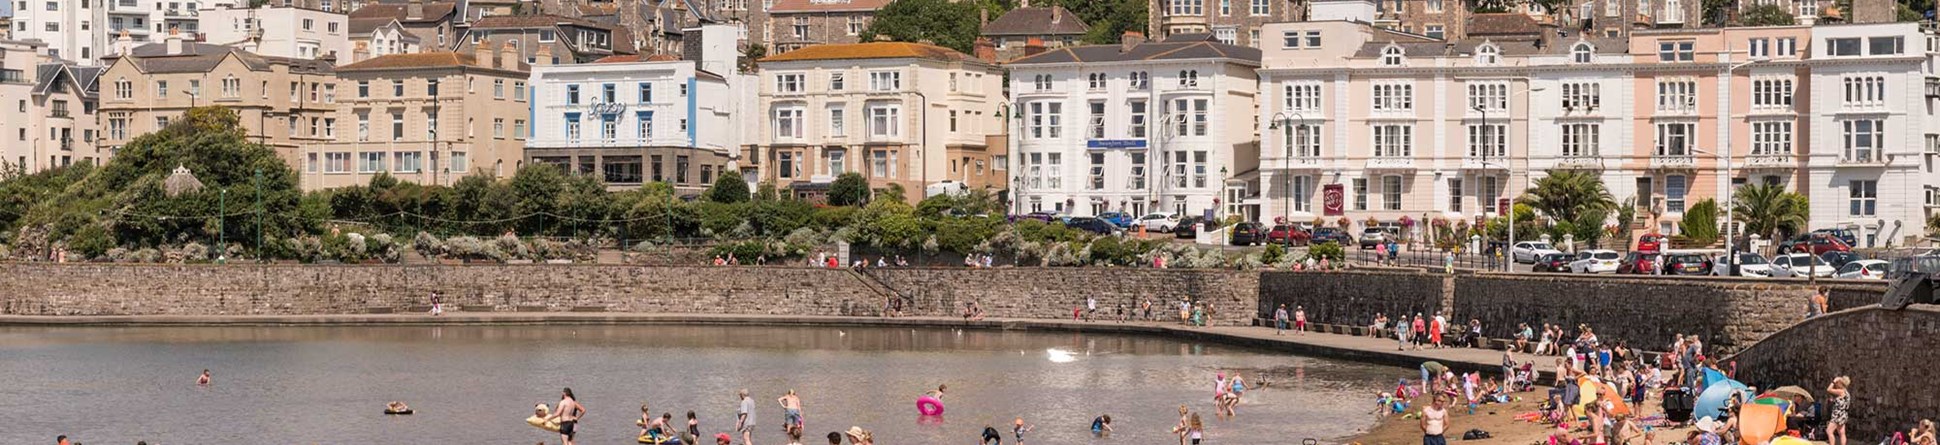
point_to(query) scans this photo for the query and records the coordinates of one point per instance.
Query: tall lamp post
(1730, 221)
(1280, 120)
(222, 226)
(1508, 166)
(259, 215)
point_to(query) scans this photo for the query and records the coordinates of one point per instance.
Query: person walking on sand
(744, 418)
(568, 415)
(1300, 320)
(791, 408)
(1401, 333)
(1280, 319)
(1421, 331)
(1434, 421)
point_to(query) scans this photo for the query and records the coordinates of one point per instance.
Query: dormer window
(1391, 56)
(1581, 52)
(1488, 54)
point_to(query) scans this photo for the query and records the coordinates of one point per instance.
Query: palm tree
(1768, 210)
(1566, 194)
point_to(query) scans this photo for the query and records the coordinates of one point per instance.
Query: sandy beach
(1500, 421)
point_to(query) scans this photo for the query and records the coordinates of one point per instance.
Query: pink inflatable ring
(929, 406)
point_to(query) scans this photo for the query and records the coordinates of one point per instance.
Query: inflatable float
(538, 419)
(651, 439)
(929, 406)
(402, 412)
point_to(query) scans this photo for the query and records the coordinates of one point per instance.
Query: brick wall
(1888, 354)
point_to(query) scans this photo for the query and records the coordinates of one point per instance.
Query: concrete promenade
(1380, 351)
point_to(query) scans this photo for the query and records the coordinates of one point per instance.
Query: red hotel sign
(1333, 199)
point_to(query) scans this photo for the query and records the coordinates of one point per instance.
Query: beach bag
(1475, 434)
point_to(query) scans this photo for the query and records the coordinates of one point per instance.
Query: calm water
(475, 385)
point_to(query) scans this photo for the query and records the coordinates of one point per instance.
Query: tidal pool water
(476, 384)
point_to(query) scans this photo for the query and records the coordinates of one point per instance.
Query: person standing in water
(1018, 428)
(791, 408)
(568, 414)
(204, 379)
(744, 418)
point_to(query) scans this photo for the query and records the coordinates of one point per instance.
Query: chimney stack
(482, 54)
(1033, 46)
(124, 45)
(986, 50)
(542, 56)
(508, 57)
(414, 10)
(174, 41)
(361, 52)
(1130, 40)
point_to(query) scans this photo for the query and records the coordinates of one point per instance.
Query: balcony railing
(1392, 163)
(1773, 160)
(1579, 162)
(180, 13)
(1481, 163)
(1298, 162)
(1863, 159)
(1663, 161)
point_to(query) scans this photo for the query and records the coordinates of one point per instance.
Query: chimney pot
(508, 57)
(1129, 40)
(482, 54)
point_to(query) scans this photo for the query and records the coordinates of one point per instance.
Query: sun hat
(856, 432)
(1708, 425)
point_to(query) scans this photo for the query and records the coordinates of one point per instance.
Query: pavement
(1380, 351)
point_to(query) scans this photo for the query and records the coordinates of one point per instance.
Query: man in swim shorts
(568, 414)
(791, 407)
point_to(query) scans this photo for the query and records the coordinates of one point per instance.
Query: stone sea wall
(1889, 355)
(1728, 313)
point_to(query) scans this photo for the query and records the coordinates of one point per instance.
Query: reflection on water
(473, 384)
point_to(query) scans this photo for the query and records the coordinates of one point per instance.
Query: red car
(1288, 235)
(1822, 243)
(1638, 263)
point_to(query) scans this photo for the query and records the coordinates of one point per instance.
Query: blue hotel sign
(1115, 143)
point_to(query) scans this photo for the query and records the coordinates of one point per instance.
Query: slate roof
(1036, 21)
(82, 78)
(1178, 47)
(872, 50)
(1503, 24)
(202, 57)
(798, 6)
(433, 12)
(532, 21)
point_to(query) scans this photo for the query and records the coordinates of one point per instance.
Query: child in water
(1101, 426)
(1018, 428)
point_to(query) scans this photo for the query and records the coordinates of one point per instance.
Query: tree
(753, 53)
(1566, 194)
(950, 24)
(1717, 11)
(1765, 15)
(1769, 211)
(1700, 224)
(126, 196)
(728, 188)
(850, 189)
(1108, 19)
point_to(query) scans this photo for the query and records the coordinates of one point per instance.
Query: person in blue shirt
(1101, 426)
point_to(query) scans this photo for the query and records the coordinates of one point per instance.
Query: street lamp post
(222, 226)
(1730, 221)
(1508, 166)
(1280, 120)
(259, 214)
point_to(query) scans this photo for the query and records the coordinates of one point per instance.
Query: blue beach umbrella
(1710, 403)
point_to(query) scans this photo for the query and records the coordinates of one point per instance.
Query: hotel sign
(1115, 143)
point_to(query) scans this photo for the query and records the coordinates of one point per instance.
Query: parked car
(1799, 265)
(1120, 219)
(1093, 225)
(1040, 216)
(1863, 270)
(1814, 243)
(1157, 222)
(1529, 251)
(1749, 265)
(1851, 239)
(1595, 261)
(1651, 243)
(1288, 235)
(1248, 234)
(1554, 262)
(1686, 264)
(1927, 263)
(1839, 258)
(1325, 234)
(1189, 226)
(1373, 236)
(1638, 263)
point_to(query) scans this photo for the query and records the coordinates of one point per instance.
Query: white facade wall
(286, 32)
(1836, 178)
(1057, 173)
(672, 85)
(84, 31)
